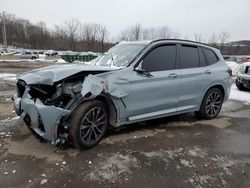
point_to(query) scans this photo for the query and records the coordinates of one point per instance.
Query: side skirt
(159, 114)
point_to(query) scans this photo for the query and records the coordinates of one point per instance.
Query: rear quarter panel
(220, 77)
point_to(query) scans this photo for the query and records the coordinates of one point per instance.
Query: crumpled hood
(51, 74)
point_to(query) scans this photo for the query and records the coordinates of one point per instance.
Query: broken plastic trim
(49, 115)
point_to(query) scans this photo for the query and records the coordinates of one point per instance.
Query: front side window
(160, 58)
(189, 57)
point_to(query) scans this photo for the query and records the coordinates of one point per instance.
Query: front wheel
(211, 104)
(88, 124)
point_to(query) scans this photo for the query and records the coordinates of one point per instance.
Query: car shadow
(159, 123)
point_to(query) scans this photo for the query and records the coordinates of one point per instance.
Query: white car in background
(29, 55)
(243, 77)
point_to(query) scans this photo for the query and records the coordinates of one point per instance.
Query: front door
(155, 92)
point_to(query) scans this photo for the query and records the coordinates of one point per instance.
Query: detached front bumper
(40, 118)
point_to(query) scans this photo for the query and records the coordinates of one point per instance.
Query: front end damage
(46, 108)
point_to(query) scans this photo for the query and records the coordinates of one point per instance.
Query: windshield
(119, 56)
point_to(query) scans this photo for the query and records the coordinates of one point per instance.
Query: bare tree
(149, 33)
(60, 39)
(132, 33)
(198, 37)
(137, 32)
(186, 38)
(93, 36)
(73, 35)
(213, 40)
(103, 36)
(70, 27)
(224, 37)
(166, 32)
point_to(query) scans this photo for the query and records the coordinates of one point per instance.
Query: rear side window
(210, 56)
(189, 57)
(160, 58)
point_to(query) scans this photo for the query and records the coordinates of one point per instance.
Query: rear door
(152, 95)
(195, 76)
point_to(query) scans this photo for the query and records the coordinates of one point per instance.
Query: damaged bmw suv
(132, 82)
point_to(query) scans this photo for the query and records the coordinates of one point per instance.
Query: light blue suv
(132, 82)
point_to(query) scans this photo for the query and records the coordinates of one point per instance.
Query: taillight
(229, 71)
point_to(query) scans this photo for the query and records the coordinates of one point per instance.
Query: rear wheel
(33, 58)
(88, 124)
(211, 104)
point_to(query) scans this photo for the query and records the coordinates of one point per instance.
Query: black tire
(240, 86)
(33, 58)
(88, 124)
(211, 104)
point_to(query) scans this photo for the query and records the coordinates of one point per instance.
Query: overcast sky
(185, 16)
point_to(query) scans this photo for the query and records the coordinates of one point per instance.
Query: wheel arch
(218, 86)
(113, 111)
(112, 108)
(200, 110)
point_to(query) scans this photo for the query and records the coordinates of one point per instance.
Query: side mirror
(140, 70)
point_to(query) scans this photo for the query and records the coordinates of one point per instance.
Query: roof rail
(183, 40)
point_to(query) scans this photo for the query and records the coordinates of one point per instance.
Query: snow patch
(238, 95)
(10, 121)
(186, 163)
(197, 152)
(224, 163)
(234, 66)
(6, 134)
(199, 181)
(113, 168)
(60, 61)
(43, 181)
(8, 77)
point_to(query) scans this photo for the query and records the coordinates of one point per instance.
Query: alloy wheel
(93, 125)
(213, 103)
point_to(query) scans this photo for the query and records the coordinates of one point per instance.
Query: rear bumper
(43, 120)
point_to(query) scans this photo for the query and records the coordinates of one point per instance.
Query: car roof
(182, 41)
(147, 42)
(136, 42)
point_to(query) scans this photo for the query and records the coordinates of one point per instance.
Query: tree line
(76, 36)
(71, 35)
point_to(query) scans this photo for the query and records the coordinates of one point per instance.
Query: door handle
(208, 72)
(173, 75)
